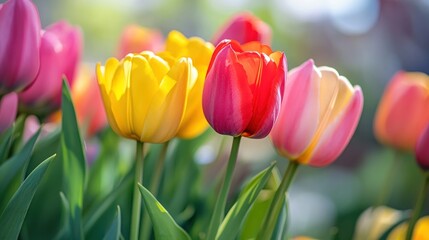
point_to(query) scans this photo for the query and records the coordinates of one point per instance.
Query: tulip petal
(104, 74)
(338, 133)
(298, 119)
(166, 109)
(227, 98)
(143, 86)
(19, 45)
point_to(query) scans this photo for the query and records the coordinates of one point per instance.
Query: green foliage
(74, 163)
(164, 225)
(13, 215)
(236, 215)
(114, 232)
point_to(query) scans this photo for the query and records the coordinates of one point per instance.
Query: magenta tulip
(8, 108)
(318, 116)
(243, 89)
(60, 52)
(19, 45)
(422, 150)
(244, 28)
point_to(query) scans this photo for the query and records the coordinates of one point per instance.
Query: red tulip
(422, 149)
(19, 45)
(60, 52)
(8, 108)
(403, 112)
(135, 39)
(244, 88)
(318, 116)
(244, 28)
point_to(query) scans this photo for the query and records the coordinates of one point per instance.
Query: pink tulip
(422, 150)
(243, 89)
(403, 111)
(244, 28)
(19, 45)
(8, 108)
(318, 116)
(60, 52)
(135, 39)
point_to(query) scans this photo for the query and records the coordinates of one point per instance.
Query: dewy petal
(168, 104)
(227, 98)
(19, 44)
(8, 109)
(338, 133)
(298, 117)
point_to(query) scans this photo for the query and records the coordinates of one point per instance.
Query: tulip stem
(138, 177)
(418, 208)
(219, 210)
(154, 187)
(277, 203)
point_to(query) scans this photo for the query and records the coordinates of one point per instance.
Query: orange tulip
(135, 39)
(403, 111)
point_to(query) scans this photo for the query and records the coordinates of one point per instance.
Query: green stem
(135, 215)
(386, 187)
(219, 210)
(277, 203)
(154, 187)
(419, 206)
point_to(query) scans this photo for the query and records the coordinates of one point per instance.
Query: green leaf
(114, 232)
(255, 218)
(5, 143)
(10, 168)
(164, 225)
(236, 215)
(74, 163)
(14, 214)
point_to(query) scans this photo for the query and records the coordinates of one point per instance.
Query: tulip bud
(403, 111)
(244, 88)
(19, 45)
(60, 52)
(244, 28)
(135, 39)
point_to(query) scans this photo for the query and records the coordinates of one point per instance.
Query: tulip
(403, 111)
(422, 150)
(373, 222)
(19, 45)
(8, 108)
(60, 52)
(177, 46)
(420, 232)
(88, 103)
(135, 39)
(244, 28)
(244, 88)
(144, 97)
(318, 116)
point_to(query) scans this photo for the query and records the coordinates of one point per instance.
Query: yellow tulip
(144, 96)
(177, 46)
(420, 230)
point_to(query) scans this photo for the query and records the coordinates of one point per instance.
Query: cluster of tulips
(160, 91)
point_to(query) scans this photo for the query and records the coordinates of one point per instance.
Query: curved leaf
(237, 214)
(114, 232)
(164, 225)
(14, 214)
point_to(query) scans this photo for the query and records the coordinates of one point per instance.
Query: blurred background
(365, 40)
